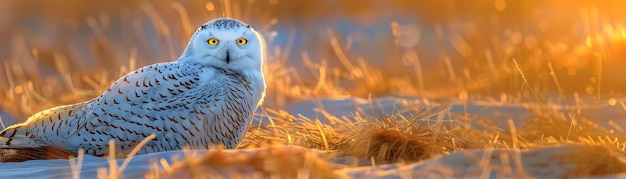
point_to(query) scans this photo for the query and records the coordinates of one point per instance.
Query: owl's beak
(227, 57)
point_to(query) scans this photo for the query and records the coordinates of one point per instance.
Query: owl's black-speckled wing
(135, 106)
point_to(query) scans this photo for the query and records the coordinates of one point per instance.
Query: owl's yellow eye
(242, 41)
(212, 41)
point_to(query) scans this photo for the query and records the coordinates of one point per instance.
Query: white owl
(208, 96)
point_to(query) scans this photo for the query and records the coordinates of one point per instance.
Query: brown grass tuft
(274, 161)
(398, 139)
(597, 160)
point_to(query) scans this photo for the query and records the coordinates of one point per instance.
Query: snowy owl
(208, 96)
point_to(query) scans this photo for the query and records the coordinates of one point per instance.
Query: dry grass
(597, 160)
(274, 161)
(393, 140)
(474, 63)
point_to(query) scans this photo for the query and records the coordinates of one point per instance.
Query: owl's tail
(17, 142)
(14, 137)
(21, 148)
(33, 153)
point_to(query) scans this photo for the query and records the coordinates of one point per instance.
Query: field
(356, 89)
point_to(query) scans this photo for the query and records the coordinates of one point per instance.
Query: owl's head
(226, 43)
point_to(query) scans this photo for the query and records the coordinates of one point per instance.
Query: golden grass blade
(76, 163)
(526, 81)
(2, 123)
(113, 168)
(134, 152)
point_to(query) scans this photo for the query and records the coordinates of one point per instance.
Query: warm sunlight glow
(352, 89)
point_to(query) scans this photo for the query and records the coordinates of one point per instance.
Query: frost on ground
(563, 159)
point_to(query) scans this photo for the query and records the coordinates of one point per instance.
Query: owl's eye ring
(242, 41)
(213, 41)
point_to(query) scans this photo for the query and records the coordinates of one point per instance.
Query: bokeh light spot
(500, 5)
(210, 6)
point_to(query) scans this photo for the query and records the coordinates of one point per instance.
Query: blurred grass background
(60, 52)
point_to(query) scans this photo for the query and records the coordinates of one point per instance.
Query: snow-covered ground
(547, 162)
